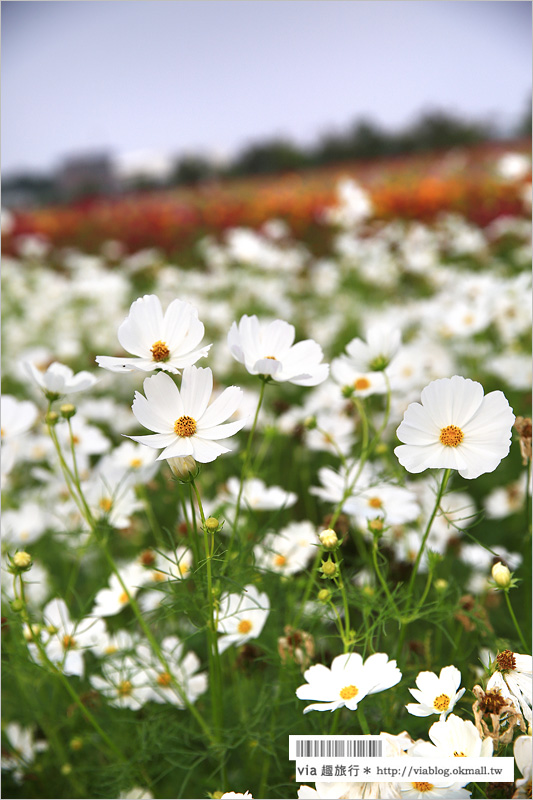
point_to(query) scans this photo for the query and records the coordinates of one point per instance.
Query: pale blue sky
(213, 75)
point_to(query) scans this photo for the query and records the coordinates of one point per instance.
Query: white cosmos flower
(123, 682)
(268, 349)
(453, 737)
(348, 681)
(159, 341)
(242, 616)
(436, 695)
(455, 427)
(376, 353)
(185, 424)
(60, 379)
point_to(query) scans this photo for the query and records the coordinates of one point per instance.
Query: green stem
(154, 525)
(340, 585)
(381, 579)
(442, 488)
(247, 458)
(515, 622)
(215, 677)
(309, 587)
(362, 720)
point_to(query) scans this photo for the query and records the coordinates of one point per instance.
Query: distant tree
(277, 155)
(524, 125)
(440, 129)
(192, 170)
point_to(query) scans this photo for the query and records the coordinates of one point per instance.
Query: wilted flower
(268, 350)
(184, 423)
(297, 646)
(502, 712)
(168, 342)
(348, 681)
(455, 427)
(513, 678)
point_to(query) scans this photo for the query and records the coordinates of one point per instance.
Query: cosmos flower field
(277, 492)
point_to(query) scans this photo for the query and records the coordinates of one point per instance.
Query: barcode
(338, 748)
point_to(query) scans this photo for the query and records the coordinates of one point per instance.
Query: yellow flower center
(459, 755)
(272, 358)
(110, 649)
(245, 626)
(362, 383)
(75, 439)
(158, 576)
(136, 463)
(280, 561)
(185, 426)
(124, 598)
(349, 692)
(375, 502)
(124, 688)
(159, 351)
(442, 702)
(451, 436)
(164, 679)
(68, 642)
(423, 786)
(105, 504)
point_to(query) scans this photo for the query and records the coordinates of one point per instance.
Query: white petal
(146, 414)
(222, 431)
(452, 401)
(223, 407)
(155, 440)
(196, 389)
(164, 396)
(142, 327)
(206, 451)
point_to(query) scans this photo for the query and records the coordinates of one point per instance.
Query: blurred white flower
(114, 598)
(183, 669)
(185, 424)
(67, 639)
(168, 342)
(455, 427)
(258, 496)
(288, 551)
(123, 682)
(267, 349)
(60, 379)
(242, 616)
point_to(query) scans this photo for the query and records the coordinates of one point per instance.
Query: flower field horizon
(267, 472)
(418, 187)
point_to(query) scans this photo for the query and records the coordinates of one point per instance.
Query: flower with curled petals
(267, 349)
(348, 681)
(184, 423)
(455, 427)
(166, 341)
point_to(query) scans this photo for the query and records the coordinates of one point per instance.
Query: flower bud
(67, 410)
(212, 524)
(501, 575)
(310, 423)
(22, 560)
(76, 743)
(329, 569)
(51, 418)
(440, 584)
(324, 595)
(184, 468)
(375, 526)
(347, 391)
(17, 605)
(328, 538)
(66, 769)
